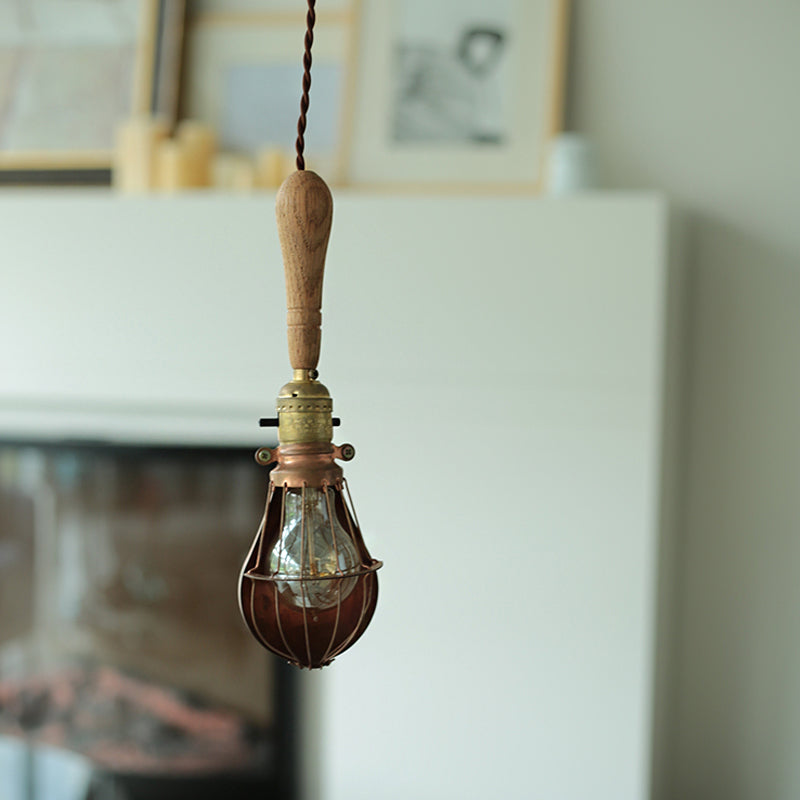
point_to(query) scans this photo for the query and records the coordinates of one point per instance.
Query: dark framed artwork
(124, 663)
(70, 72)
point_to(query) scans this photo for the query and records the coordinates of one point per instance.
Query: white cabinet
(499, 364)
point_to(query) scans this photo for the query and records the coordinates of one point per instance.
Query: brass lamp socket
(305, 410)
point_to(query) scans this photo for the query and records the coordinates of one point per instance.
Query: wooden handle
(304, 209)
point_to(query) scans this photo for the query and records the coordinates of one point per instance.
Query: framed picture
(70, 72)
(243, 76)
(457, 93)
(122, 647)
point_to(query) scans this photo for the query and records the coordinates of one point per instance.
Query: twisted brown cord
(300, 145)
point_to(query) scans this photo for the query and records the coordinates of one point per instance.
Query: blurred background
(560, 327)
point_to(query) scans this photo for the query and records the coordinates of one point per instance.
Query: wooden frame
(221, 40)
(380, 158)
(154, 90)
(168, 59)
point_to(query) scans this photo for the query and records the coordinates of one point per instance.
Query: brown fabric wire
(300, 145)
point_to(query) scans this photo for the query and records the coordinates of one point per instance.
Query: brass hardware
(265, 456)
(345, 452)
(305, 411)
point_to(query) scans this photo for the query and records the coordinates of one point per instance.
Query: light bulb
(313, 546)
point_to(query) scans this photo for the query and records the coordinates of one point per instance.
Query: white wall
(700, 99)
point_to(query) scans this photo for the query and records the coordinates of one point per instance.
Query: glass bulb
(314, 546)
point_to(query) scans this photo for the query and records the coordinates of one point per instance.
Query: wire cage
(308, 588)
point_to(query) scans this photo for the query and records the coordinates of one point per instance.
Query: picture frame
(168, 59)
(243, 77)
(106, 623)
(72, 73)
(457, 95)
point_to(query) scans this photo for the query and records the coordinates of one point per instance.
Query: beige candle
(137, 140)
(175, 167)
(200, 142)
(233, 173)
(272, 167)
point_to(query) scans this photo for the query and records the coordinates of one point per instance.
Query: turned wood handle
(304, 209)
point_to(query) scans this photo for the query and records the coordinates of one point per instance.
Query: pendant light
(308, 587)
